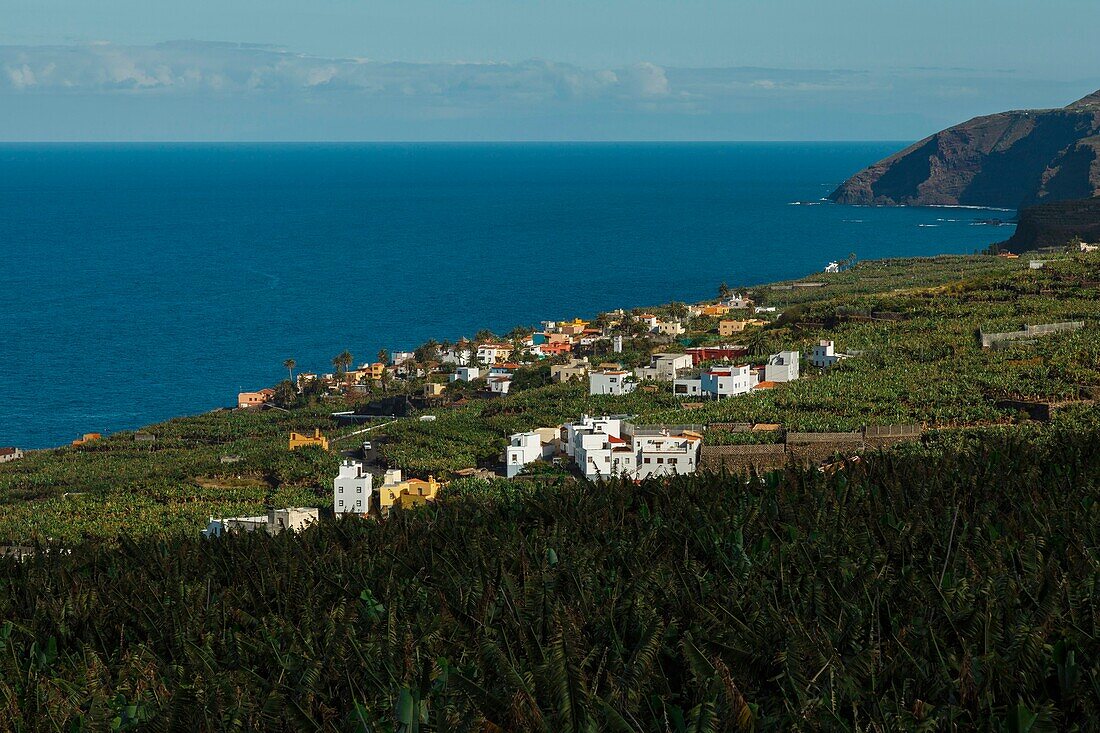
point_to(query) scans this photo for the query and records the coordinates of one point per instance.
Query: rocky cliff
(1011, 160)
(1056, 225)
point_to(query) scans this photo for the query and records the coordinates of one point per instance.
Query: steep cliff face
(1056, 225)
(1011, 160)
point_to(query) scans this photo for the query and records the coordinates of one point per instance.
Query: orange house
(254, 399)
(88, 438)
(297, 440)
(556, 349)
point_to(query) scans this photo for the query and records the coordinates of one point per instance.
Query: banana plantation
(951, 585)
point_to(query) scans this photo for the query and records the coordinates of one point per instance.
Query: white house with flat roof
(782, 367)
(666, 454)
(465, 374)
(459, 355)
(611, 381)
(825, 354)
(526, 448)
(606, 446)
(489, 354)
(351, 489)
(727, 381)
(664, 367)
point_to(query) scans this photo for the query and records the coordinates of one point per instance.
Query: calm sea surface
(142, 282)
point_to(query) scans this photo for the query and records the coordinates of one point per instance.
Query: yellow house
(574, 328)
(88, 438)
(377, 369)
(728, 328)
(297, 440)
(408, 493)
(715, 310)
(433, 389)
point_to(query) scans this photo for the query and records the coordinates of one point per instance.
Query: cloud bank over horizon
(188, 90)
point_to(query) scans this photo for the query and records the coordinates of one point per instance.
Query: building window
(660, 460)
(647, 459)
(341, 502)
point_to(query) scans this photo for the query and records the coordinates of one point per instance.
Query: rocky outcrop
(1056, 225)
(1010, 160)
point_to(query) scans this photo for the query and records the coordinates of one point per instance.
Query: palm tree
(289, 365)
(342, 361)
(383, 356)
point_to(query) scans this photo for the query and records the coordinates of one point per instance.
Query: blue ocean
(141, 282)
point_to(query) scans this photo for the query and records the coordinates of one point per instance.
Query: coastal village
(693, 352)
(693, 363)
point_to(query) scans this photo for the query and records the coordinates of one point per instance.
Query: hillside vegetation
(949, 586)
(915, 322)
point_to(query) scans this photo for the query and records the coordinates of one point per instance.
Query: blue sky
(527, 69)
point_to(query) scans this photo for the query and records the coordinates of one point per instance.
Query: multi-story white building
(727, 381)
(664, 367)
(465, 374)
(666, 454)
(782, 367)
(526, 448)
(398, 358)
(351, 489)
(611, 381)
(606, 446)
(459, 355)
(489, 354)
(825, 355)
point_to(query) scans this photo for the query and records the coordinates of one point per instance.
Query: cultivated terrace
(911, 324)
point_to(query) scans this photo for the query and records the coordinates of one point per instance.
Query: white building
(526, 448)
(782, 367)
(690, 387)
(275, 521)
(606, 446)
(727, 381)
(459, 355)
(590, 443)
(664, 367)
(500, 384)
(465, 374)
(351, 489)
(611, 381)
(666, 454)
(737, 301)
(489, 354)
(10, 454)
(824, 354)
(397, 358)
(832, 267)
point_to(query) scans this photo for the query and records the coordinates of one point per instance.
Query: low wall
(807, 449)
(991, 340)
(742, 458)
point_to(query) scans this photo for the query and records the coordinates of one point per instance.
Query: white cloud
(231, 68)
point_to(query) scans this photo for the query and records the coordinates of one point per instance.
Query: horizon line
(443, 141)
